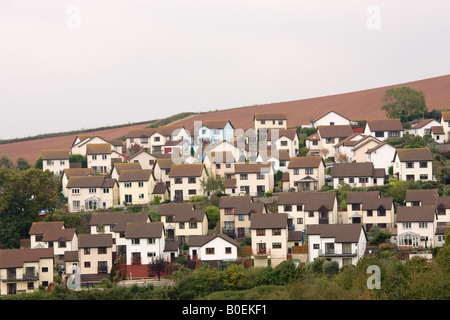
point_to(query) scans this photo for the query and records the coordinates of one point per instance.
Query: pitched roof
(278, 133)
(190, 215)
(164, 163)
(230, 183)
(241, 204)
(171, 209)
(144, 230)
(215, 124)
(199, 241)
(126, 166)
(186, 170)
(270, 116)
(135, 175)
(91, 182)
(295, 235)
(95, 240)
(385, 125)
(118, 219)
(378, 146)
(425, 213)
(55, 154)
(220, 156)
(15, 258)
(342, 233)
(305, 162)
(370, 200)
(269, 221)
(171, 245)
(312, 201)
(445, 115)
(425, 196)
(422, 123)
(160, 188)
(52, 231)
(282, 154)
(414, 154)
(324, 114)
(257, 167)
(167, 130)
(98, 148)
(78, 172)
(437, 130)
(339, 131)
(357, 169)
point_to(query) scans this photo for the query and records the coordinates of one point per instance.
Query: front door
(12, 288)
(241, 232)
(178, 195)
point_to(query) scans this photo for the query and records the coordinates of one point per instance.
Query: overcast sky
(69, 65)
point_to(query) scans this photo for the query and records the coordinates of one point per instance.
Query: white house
(323, 141)
(238, 149)
(423, 127)
(282, 139)
(278, 158)
(145, 242)
(220, 248)
(74, 172)
(358, 174)
(413, 164)
(55, 160)
(445, 124)
(416, 226)
(422, 197)
(100, 157)
(330, 118)
(212, 131)
(384, 129)
(343, 243)
(438, 134)
(381, 156)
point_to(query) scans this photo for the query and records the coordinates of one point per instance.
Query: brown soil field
(359, 105)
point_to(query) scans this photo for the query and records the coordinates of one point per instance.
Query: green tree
(6, 162)
(38, 164)
(24, 194)
(78, 158)
(404, 101)
(213, 183)
(22, 164)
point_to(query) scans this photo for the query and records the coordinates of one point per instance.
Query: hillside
(359, 105)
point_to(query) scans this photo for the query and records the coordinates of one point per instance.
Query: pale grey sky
(69, 65)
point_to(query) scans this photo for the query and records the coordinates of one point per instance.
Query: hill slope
(359, 105)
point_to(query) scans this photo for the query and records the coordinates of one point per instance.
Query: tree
(6, 162)
(324, 152)
(213, 183)
(134, 148)
(157, 266)
(404, 101)
(38, 164)
(78, 158)
(23, 195)
(22, 164)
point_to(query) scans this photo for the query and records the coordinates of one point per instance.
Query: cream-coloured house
(95, 256)
(239, 150)
(283, 139)
(74, 172)
(445, 124)
(438, 134)
(92, 193)
(55, 160)
(413, 164)
(53, 235)
(343, 243)
(269, 233)
(308, 208)
(25, 270)
(421, 197)
(144, 158)
(220, 163)
(118, 167)
(254, 179)
(416, 226)
(100, 157)
(351, 148)
(278, 158)
(161, 170)
(168, 212)
(266, 121)
(185, 181)
(370, 209)
(236, 214)
(306, 173)
(136, 186)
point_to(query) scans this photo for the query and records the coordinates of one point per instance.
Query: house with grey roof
(369, 209)
(416, 226)
(236, 214)
(306, 208)
(269, 233)
(145, 242)
(343, 243)
(185, 181)
(358, 174)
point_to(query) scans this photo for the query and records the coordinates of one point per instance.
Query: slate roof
(15, 258)
(98, 148)
(186, 170)
(91, 182)
(270, 116)
(305, 162)
(135, 175)
(342, 233)
(241, 204)
(339, 131)
(118, 219)
(425, 213)
(357, 169)
(55, 154)
(95, 240)
(171, 209)
(370, 200)
(312, 201)
(425, 196)
(269, 221)
(199, 241)
(414, 154)
(144, 230)
(52, 231)
(385, 125)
